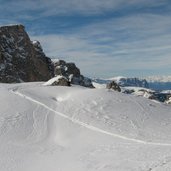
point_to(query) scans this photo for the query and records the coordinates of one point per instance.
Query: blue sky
(105, 38)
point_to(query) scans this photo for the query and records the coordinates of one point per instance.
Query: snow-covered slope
(44, 128)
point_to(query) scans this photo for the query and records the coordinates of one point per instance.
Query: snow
(9, 25)
(54, 128)
(166, 91)
(99, 86)
(55, 60)
(35, 42)
(168, 101)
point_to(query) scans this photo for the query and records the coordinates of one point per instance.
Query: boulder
(114, 86)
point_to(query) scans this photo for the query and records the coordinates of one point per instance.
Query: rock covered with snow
(58, 81)
(148, 93)
(72, 73)
(22, 60)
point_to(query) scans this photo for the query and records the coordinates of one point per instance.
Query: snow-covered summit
(59, 80)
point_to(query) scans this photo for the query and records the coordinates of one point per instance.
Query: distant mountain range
(159, 82)
(152, 82)
(123, 81)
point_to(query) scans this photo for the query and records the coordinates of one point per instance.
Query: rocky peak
(72, 73)
(20, 58)
(67, 69)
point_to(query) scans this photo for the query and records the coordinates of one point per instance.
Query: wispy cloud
(104, 38)
(71, 7)
(139, 42)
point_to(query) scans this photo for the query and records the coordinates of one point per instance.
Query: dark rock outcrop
(128, 91)
(22, 60)
(114, 86)
(63, 68)
(161, 97)
(72, 73)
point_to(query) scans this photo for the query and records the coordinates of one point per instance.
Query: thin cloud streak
(139, 42)
(71, 7)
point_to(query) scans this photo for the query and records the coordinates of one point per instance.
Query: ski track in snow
(90, 127)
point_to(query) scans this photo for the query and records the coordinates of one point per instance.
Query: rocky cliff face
(20, 58)
(23, 60)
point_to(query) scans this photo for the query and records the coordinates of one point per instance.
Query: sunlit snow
(53, 128)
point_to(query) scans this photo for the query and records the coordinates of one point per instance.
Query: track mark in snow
(85, 124)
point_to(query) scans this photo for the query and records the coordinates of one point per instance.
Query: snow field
(74, 128)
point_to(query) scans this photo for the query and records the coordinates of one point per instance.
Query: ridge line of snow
(93, 128)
